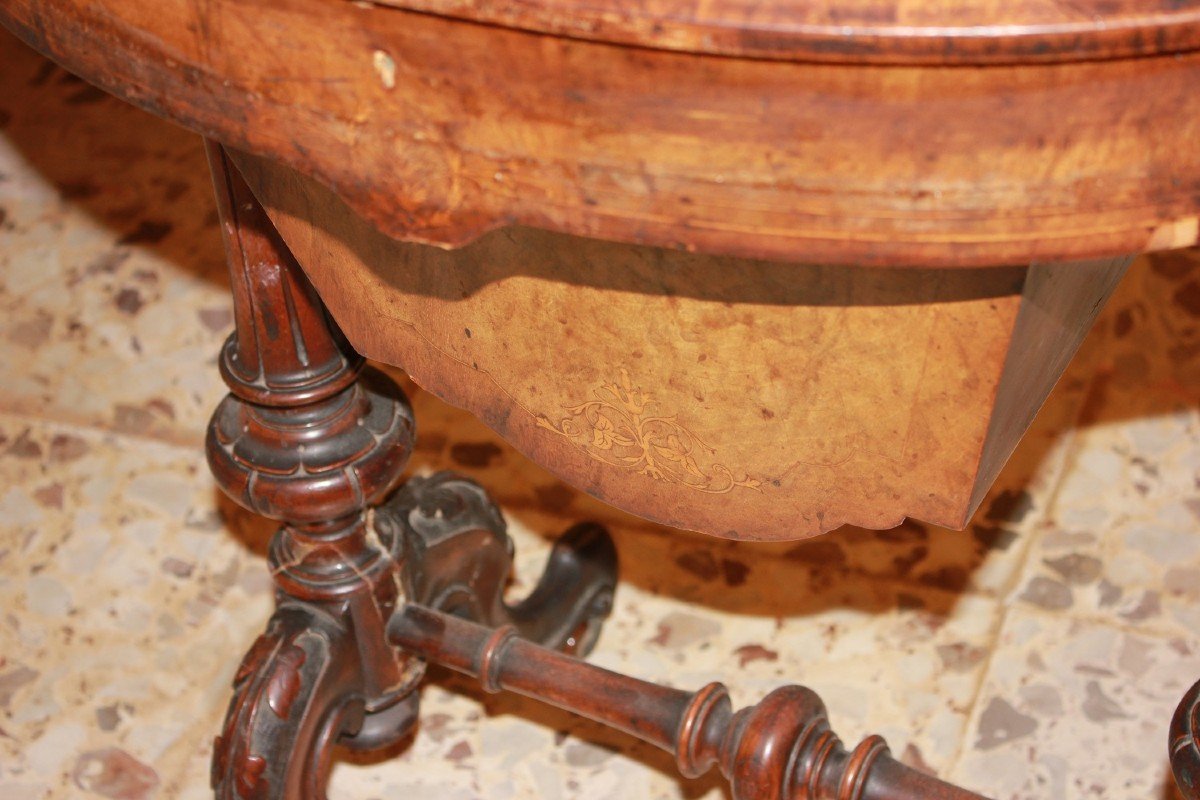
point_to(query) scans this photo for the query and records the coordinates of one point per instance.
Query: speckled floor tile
(112, 280)
(124, 594)
(1100, 641)
(1076, 709)
(1121, 541)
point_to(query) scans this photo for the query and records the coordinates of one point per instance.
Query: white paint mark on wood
(385, 65)
(1170, 235)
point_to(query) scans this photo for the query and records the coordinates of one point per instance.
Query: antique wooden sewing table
(595, 226)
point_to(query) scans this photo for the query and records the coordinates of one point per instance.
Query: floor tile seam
(992, 635)
(182, 753)
(1003, 594)
(1071, 448)
(993, 648)
(1028, 566)
(1156, 632)
(1008, 610)
(19, 411)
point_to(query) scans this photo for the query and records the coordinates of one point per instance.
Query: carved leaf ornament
(621, 427)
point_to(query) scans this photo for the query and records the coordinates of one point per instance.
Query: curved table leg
(292, 697)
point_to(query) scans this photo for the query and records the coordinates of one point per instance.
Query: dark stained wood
(304, 439)
(457, 558)
(781, 748)
(298, 439)
(436, 130)
(1057, 312)
(1185, 744)
(859, 31)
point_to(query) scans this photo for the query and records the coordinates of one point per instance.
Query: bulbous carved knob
(780, 748)
(316, 463)
(302, 438)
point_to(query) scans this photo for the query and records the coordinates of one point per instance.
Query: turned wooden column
(305, 439)
(780, 749)
(300, 438)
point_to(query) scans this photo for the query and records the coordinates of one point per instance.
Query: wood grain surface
(745, 399)
(438, 130)
(860, 31)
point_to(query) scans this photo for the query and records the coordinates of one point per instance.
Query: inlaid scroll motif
(622, 428)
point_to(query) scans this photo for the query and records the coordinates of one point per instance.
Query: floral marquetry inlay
(622, 427)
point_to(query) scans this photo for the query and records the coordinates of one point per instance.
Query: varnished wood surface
(780, 749)
(744, 399)
(438, 131)
(303, 439)
(860, 31)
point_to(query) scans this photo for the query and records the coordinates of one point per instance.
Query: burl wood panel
(872, 31)
(745, 399)
(438, 130)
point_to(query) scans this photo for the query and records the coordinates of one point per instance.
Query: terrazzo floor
(1039, 654)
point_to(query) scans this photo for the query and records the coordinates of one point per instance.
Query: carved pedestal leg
(305, 439)
(302, 438)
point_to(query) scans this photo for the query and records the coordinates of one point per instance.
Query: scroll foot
(457, 557)
(292, 698)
